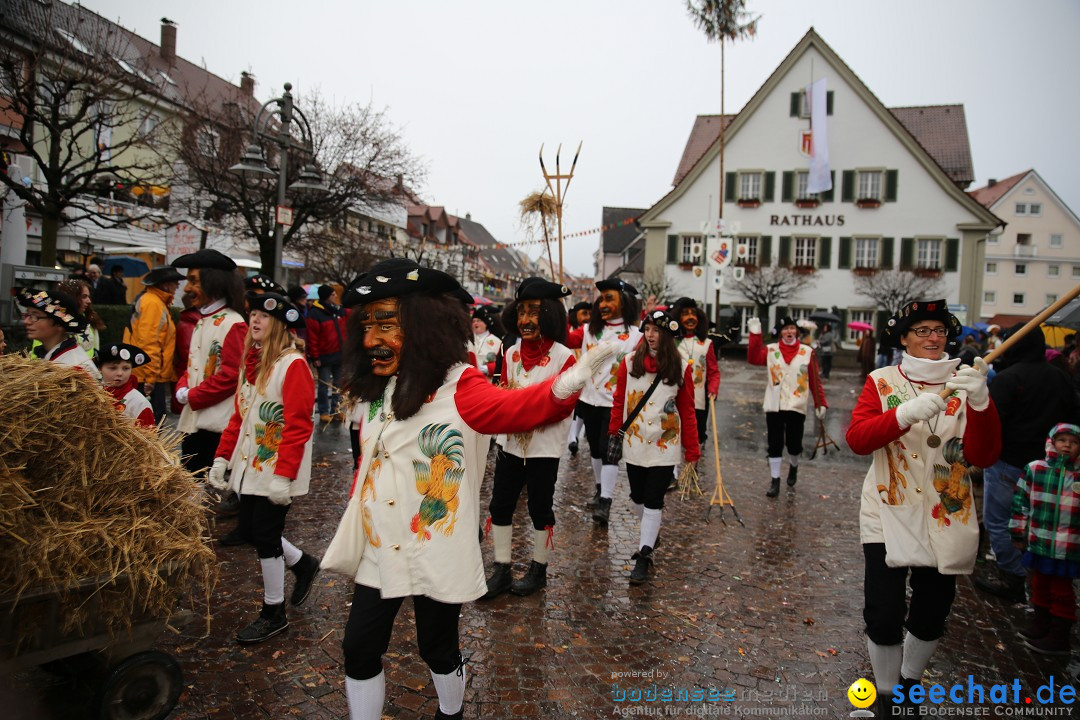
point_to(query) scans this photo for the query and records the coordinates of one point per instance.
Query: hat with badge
(487, 313)
(62, 308)
(117, 352)
(397, 277)
(206, 258)
(618, 284)
(537, 288)
(919, 311)
(163, 274)
(276, 306)
(263, 283)
(662, 320)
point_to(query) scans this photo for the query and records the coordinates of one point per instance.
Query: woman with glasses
(53, 319)
(917, 517)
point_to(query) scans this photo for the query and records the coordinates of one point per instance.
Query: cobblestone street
(771, 610)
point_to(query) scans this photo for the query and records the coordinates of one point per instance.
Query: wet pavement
(768, 614)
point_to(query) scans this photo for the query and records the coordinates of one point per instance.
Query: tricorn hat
(61, 307)
(537, 288)
(163, 274)
(205, 258)
(122, 351)
(396, 277)
(615, 283)
(276, 306)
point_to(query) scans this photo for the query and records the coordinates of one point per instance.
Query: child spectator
(1045, 517)
(116, 362)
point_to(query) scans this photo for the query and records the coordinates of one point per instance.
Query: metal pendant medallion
(933, 441)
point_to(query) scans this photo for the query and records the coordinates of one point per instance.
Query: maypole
(558, 191)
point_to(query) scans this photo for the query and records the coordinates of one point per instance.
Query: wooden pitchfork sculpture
(720, 495)
(558, 191)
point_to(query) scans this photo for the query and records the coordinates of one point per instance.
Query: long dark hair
(436, 330)
(702, 329)
(74, 288)
(631, 313)
(223, 285)
(552, 321)
(668, 359)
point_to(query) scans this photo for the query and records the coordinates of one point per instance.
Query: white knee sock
(273, 572)
(916, 656)
(597, 464)
(774, 467)
(638, 510)
(575, 428)
(501, 535)
(793, 459)
(650, 527)
(292, 553)
(608, 475)
(885, 661)
(540, 546)
(366, 697)
(451, 690)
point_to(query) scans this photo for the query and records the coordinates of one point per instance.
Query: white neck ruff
(930, 372)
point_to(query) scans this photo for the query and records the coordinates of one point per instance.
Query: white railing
(1029, 251)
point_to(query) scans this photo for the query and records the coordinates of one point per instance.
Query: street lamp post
(252, 165)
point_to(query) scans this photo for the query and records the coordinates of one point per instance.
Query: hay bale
(88, 498)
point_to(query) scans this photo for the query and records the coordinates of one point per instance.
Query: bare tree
(82, 102)
(338, 254)
(769, 285)
(654, 283)
(892, 289)
(363, 158)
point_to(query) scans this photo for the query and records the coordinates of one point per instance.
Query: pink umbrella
(860, 326)
(481, 300)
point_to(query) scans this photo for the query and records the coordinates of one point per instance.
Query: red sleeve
(982, 436)
(871, 428)
(312, 338)
(574, 338)
(491, 368)
(472, 359)
(146, 418)
(684, 401)
(618, 400)
(298, 397)
(817, 390)
(222, 384)
(227, 443)
(712, 373)
(491, 410)
(755, 350)
(180, 382)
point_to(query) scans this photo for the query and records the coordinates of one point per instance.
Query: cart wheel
(144, 686)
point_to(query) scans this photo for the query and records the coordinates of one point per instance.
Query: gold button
(650, 402)
(396, 547)
(389, 416)
(245, 458)
(389, 502)
(649, 443)
(914, 456)
(650, 422)
(918, 489)
(386, 454)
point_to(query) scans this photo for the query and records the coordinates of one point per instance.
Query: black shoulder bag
(615, 442)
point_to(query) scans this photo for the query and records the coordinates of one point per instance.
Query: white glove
(181, 395)
(575, 378)
(216, 476)
(972, 380)
(279, 490)
(753, 326)
(820, 412)
(917, 409)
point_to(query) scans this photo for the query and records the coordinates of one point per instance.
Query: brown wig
(436, 330)
(668, 359)
(631, 313)
(552, 320)
(74, 288)
(223, 285)
(702, 329)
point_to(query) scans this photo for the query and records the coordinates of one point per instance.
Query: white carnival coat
(696, 352)
(70, 353)
(204, 360)
(598, 392)
(654, 439)
(548, 441)
(789, 383)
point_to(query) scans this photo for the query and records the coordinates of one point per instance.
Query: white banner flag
(820, 179)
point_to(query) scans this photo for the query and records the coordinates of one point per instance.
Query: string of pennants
(540, 241)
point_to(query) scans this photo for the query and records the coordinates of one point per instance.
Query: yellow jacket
(152, 330)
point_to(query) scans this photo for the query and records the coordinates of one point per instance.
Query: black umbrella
(1068, 316)
(824, 316)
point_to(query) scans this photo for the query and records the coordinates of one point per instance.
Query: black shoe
(792, 475)
(595, 499)
(673, 483)
(229, 506)
(500, 581)
(533, 580)
(270, 622)
(306, 570)
(1039, 626)
(1004, 585)
(232, 538)
(640, 573)
(774, 488)
(603, 511)
(440, 715)
(573, 447)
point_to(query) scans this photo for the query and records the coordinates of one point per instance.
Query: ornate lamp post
(273, 123)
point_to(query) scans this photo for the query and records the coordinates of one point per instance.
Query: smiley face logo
(862, 693)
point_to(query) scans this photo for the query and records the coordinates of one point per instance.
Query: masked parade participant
(793, 378)
(696, 347)
(530, 458)
(917, 513)
(614, 319)
(486, 342)
(578, 316)
(409, 529)
(53, 319)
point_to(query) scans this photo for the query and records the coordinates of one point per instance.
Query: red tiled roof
(705, 132)
(987, 196)
(1006, 321)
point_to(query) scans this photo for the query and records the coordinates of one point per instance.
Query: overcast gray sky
(478, 85)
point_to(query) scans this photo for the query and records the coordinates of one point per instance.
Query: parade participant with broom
(793, 378)
(267, 448)
(53, 319)
(409, 529)
(917, 513)
(655, 391)
(530, 458)
(696, 347)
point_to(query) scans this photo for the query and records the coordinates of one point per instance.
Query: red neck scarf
(251, 364)
(533, 351)
(788, 351)
(118, 393)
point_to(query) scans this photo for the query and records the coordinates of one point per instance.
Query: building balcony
(1025, 251)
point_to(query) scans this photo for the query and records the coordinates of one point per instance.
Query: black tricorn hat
(583, 305)
(397, 277)
(122, 351)
(537, 288)
(264, 283)
(205, 258)
(619, 284)
(276, 306)
(917, 311)
(662, 320)
(61, 307)
(163, 274)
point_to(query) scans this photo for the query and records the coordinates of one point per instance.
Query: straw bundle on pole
(89, 499)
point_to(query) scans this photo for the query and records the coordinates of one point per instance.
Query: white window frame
(802, 182)
(1051, 298)
(751, 242)
(800, 313)
(1020, 209)
(74, 41)
(1022, 296)
(804, 248)
(1076, 271)
(1020, 269)
(202, 136)
(751, 185)
(989, 297)
(928, 253)
(149, 122)
(866, 316)
(1053, 271)
(1057, 240)
(745, 313)
(993, 239)
(870, 184)
(686, 244)
(1035, 209)
(867, 252)
(991, 268)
